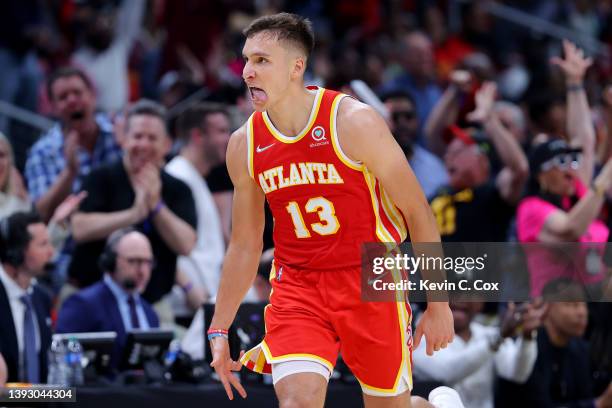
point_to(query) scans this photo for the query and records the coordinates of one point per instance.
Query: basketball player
(334, 178)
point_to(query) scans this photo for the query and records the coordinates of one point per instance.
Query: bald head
(134, 243)
(418, 56)
(134, 261)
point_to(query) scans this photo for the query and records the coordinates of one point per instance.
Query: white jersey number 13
(328, 224)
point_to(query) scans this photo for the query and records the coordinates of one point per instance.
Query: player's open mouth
(258, 95)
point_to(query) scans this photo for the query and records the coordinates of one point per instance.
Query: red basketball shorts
(315, 315)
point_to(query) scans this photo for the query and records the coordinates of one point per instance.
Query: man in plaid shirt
(81, 141)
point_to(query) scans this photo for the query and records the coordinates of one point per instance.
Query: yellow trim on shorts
(294, 357)
(405, 364)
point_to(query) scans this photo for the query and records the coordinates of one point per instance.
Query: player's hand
(437, 327)
(224, 365)
(574, 65)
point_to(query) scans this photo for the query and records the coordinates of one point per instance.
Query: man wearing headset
(25, 332)
(114, 303)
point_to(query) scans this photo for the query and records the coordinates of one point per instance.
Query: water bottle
(170, 357)
(58, 369)
(74, 360)
(172, 353)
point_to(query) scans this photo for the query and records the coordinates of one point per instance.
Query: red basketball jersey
(325, 205)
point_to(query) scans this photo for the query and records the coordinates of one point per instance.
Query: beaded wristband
(213, 335)
(213, 330)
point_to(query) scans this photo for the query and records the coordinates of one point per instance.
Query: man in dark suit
(114, 303)
(25, 323)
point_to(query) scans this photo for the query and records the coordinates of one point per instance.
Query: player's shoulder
(236, 156)
(354, 115)
(238, 138)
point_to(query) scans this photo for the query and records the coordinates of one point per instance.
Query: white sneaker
(445, 397)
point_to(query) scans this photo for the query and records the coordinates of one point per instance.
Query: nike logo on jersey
(262, 149)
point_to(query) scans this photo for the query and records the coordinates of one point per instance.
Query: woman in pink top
(560, 209)
(563, 200)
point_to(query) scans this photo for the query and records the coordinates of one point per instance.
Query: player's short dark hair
(195, 116)
(146, 107)
(66, 72)
(286, 27)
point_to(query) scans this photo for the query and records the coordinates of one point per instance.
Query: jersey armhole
(249, 137)
(355, 165)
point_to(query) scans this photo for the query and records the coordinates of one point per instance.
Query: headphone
(12, 249)
(108, 258)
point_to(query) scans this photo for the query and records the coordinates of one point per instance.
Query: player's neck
(290, 115)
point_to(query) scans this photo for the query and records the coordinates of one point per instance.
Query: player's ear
(299, 67)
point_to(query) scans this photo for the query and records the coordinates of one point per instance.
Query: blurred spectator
(3, 371)
(478, 352)
(404, 125)
(80, 142)
(449, 49)
(59, 160)
(222, 191)
(547, 112)
(193, 296)
(136, 191)
(513, 119)
(599, 335)
(472, 194)
(22, 29)
(204, 132)
(109, 36)
(561, 376)
(13, 198)
(559, 207)
(418, 78)
(25, 322)
(115, 303)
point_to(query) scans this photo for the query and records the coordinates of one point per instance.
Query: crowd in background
(508, 130)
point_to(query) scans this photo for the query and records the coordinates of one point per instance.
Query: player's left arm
(365, 137)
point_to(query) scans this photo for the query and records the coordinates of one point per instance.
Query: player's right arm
(242, 257)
